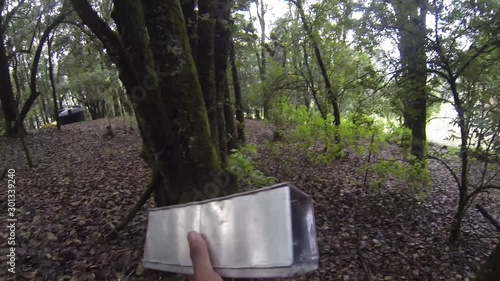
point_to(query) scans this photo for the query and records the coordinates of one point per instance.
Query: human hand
(203, 270)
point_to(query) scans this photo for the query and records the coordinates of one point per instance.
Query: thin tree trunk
(464, 156)
(310, 78)
(331, 94)
(43, 111)
(125, 103)
(232, 141)
(38, 126)
(261, 57)
(240, 117)
(34, 67)
(116, 105)
(52, 83)
(261, 13)
(154, 184)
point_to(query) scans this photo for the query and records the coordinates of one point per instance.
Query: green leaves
(240, 163)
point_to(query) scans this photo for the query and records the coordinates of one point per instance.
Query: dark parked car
(71, 115)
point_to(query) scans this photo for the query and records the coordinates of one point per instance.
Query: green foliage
(415, 175)
(2, 127)
(240, 163)
(323, 142)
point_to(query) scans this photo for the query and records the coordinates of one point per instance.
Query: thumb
(199, 255)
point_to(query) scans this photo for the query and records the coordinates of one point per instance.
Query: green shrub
(3, 127)
(240, 163)
(323, 142)
(415, 175)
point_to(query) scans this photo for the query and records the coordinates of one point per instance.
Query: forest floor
(83, 184)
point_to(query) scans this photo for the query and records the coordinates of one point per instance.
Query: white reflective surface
(264, 233)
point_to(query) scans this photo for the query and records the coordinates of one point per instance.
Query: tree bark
(53, 84)
(310, 80)
(411, 21)
(240, 117)
(464, 155)
(43, 110)
(7, 92)
(191, 18)
(490, 271)
(222, 46)
(261, 15)
(232, 140)
(489, 217)
(34, 67)
(116, 105)
(125, 103)
(206, 65)
(159, 75)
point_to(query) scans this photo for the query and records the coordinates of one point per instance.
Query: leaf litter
(84, 184)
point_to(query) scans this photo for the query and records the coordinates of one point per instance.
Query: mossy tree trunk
(240, 117)
(232, 138)
(206, 65)
(160, 76)
(490, 271)
(191, 19)
(222, 46)
(7, 93)
(412, 32)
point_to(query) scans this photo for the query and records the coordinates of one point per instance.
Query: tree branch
(34, 67)
(481, 189)
(9, 15)
(155, 182)
(110, 39)
(457, 180)
(491, 219)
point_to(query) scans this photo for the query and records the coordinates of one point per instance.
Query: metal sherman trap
(266, 233)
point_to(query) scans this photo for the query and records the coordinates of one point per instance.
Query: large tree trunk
(412, 39)
(7, 92)
(191, 19)
(222, 46)
(240, 117)
(490, 271)
(159, 74)
(206, 65)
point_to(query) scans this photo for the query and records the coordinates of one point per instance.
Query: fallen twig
(4, 173)
(145, 196)
(491, 219)
(362, 259)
